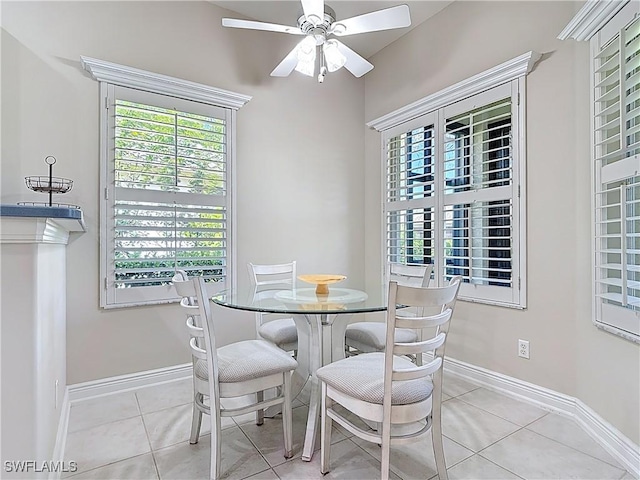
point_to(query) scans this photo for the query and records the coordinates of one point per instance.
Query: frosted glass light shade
(307, 56)
(334, 58)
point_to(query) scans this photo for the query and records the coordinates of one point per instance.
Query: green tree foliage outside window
(182, 155)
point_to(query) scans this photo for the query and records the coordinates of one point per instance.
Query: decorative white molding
(163, 84)
(539, 396)
(123, 383)
(609, 437)
(33, 230)
(502, 73)
(591, 18)
(623, 449)
(61, 437)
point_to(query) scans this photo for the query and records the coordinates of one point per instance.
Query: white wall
(568, 354)
(299, 154)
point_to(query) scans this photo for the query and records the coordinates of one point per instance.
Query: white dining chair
(243, 368)
(366, 337)
(278, 330)
(386, 387)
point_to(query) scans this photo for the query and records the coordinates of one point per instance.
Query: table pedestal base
(325, 340)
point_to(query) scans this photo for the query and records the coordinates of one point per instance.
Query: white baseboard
(539, 396)
(609, 437)
(123, 383)
(61, 436)
(619, 446)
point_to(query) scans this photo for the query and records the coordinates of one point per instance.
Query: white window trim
(503, 73)
(596, 17)
(108, 73)
(514, 69)
(591, 18)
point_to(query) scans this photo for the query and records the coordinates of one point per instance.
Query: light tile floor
(144, 434)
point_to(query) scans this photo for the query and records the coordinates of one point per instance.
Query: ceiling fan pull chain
(323, 69)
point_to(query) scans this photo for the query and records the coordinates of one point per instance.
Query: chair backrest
(411, 275)
(439, 299)
(267, 280)
(185, 290)
(197, 308)
(279, 274)
(178, 282)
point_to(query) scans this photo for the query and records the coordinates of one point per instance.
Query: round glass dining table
(321, 321)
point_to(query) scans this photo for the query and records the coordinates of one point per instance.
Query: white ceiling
(366, 44)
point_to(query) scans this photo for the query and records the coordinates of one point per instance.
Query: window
(613, 29)
(167, 190)
(454, 195)
(616, 151)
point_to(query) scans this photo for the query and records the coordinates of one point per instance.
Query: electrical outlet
(523, 348)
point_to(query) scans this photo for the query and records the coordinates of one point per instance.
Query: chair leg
(216, 442)
(196, 419)
(325, 435)
(438, 446)
(260, 413)
(287, 420)
(385, 437)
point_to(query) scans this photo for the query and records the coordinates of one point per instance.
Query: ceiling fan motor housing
(319, 30)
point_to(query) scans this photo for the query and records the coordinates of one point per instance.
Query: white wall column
(33, 336)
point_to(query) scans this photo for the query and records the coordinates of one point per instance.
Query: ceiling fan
(317, 23)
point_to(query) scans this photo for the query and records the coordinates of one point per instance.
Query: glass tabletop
(303, 299)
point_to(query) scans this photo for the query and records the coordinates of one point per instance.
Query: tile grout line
(501, 466)
(259, 452)
(574, 448)
(146, 431)
(547, 413)
(106, 465)
(102, 424)
(80, 402)
(479, 452)
(286, 460)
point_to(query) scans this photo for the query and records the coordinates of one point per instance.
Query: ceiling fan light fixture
(307, 56)
(306, 67)
(307, 47)
(334, 58)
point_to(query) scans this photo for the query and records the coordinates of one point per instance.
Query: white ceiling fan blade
(269, 27)
(355, 63)
(313, 10)
(286, 66)
(394, 17)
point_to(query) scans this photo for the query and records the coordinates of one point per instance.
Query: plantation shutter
(168, 194)
(480, 202)
(410, 192)
(616, 69)
(452, 194)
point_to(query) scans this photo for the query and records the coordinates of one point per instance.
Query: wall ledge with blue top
(39, 223)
